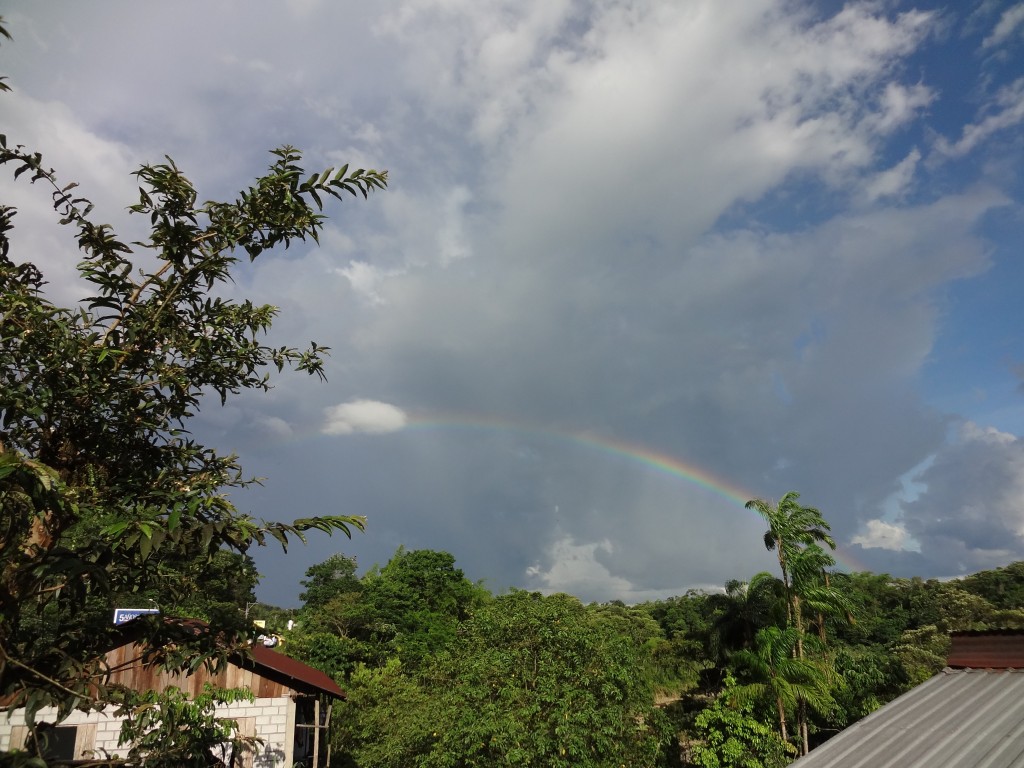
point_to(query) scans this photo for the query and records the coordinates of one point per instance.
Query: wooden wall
(129, 671)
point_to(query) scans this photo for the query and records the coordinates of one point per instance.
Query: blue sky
(753, 247)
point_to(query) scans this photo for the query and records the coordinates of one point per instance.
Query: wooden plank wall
(129, 671)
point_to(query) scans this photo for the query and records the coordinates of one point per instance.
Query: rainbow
(620, 449)
(660, 462)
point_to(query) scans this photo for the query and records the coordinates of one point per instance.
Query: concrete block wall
(108, 728)
(272, 720)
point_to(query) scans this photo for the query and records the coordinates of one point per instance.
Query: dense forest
(441, 672)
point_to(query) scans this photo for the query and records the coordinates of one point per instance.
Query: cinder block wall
(272, 720)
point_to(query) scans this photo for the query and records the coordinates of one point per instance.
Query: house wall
(271, 719)
(127, 669)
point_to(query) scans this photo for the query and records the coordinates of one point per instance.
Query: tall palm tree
(779, 676)
(790, 528)
(813, 588)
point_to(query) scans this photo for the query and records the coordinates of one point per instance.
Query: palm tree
(779, 676)
(744, 608)
(793, 532)
(790, 528)
(812, 587)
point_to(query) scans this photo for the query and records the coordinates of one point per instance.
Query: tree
(414, 603)
(1002, 587)
(533, 681)
(922, 653)
(793, 532)
(731, 737)
(543, 681)
(389, 719)
(744, 608)
(790, 527)
(777, 675)
(169, 730)
(327, 580)
(104, 491)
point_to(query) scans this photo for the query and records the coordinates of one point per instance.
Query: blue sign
(124, 615)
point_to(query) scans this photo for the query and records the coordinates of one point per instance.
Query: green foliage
(169, 730)
(207, 588)
(872, 676)
(772, 672)
(878, 606)
(336, 655)
(741, 611)
(324, 581)
(533, 680)
(541, 681)
(945, 605)
(389, 720)
(922, 653)
(729, 736)
(1003, 588)
(416, 602)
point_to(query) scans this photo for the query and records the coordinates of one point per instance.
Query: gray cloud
(695, 231)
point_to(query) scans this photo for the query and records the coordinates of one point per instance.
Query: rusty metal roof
(1000, 649)
(294, 670)
(961, 718)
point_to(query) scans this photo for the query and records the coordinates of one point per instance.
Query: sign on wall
(124, 615)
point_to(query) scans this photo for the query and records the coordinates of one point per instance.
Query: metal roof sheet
(961, 718)
(987, 649)
(294, 669)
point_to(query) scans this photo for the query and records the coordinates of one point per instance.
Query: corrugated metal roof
(961, 718)
(294, 669)
(987, 649)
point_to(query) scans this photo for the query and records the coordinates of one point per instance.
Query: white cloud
(274, 426)
(1005, 111)
(363, 416)
(366, 279)
(576, 569)
(574, 566)
(452, 244)
(971, 512)
(1008, 24)
(882, 535)
(898, 105)
(893, 182)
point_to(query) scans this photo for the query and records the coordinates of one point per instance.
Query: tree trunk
(821, 614)
(782, 718)
(802, 715)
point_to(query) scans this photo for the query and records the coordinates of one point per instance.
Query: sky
(639, 261)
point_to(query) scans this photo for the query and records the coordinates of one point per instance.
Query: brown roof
(294, 669)
(987, 650)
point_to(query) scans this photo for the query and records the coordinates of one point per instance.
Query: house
(969, 715)
(291, 711)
